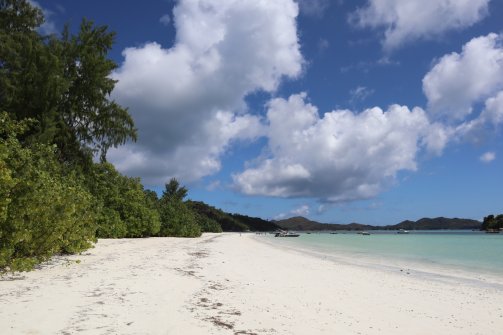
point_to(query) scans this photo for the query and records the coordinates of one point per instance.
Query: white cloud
(459, 80)
(342, 156)
(302, 210)
(459, 83)
(406, 21)
(488, 157)
(188, 101)
(493, 111)
(165, 20)
(491, 117)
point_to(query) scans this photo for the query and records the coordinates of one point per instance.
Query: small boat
(363, 233)
(333, 232)
(283, 233)
(402, 231)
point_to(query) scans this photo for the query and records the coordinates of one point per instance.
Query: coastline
(235, 284)
(419, 268)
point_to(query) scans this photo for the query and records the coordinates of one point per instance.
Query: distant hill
(437, 223)
(301, 223)
(229, 222)
(256, 224)
(215, 220)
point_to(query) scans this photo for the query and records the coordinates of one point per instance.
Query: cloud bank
(188, 101)
(345, 155)
(341, 156)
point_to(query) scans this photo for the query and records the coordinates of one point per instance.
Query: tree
(173, 191)
(124, 209)
(177, 219)
(63, 83)
(204, 219)
(492, 223)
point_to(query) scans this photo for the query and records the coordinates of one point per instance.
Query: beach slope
(236, 284)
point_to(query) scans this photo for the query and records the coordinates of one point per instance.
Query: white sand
(232, 284)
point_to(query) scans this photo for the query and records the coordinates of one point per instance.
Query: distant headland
(301, 223)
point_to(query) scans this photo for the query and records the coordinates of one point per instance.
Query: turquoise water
(465, 250)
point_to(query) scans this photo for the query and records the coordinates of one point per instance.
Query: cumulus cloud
(459, 80)
(405, 21)
(465, 90)
(188, 101)
(477, 129)
(488, 157)
(341, 156)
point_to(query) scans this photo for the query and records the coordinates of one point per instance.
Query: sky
(369, 111)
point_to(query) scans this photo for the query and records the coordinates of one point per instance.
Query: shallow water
(475, 252)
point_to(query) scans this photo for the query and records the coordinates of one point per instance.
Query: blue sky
(371, 111)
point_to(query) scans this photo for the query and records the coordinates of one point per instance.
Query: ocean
(471, 252)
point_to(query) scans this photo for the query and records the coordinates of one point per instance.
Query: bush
(177, 219)
(44, 210)
(123, 207)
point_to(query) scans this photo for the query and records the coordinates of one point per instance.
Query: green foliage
(256, 224)
(173, 191)
(44, 209)
(109, 223)
(207, 224)
(56, 115)
(152, 199)
(177, 219)
(492, 223)
(63, 83)
(124, 210)
(224, 220)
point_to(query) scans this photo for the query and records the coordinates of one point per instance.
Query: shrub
(44, 210)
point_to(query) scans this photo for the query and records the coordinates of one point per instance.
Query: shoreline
(423, 269)
(232, 284)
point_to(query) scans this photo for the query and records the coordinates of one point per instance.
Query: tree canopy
(63, 83)
(177, 219)
(492, 222)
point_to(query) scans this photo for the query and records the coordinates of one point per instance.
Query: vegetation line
(56, 115)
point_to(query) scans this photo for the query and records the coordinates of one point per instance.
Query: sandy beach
(236, 284)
